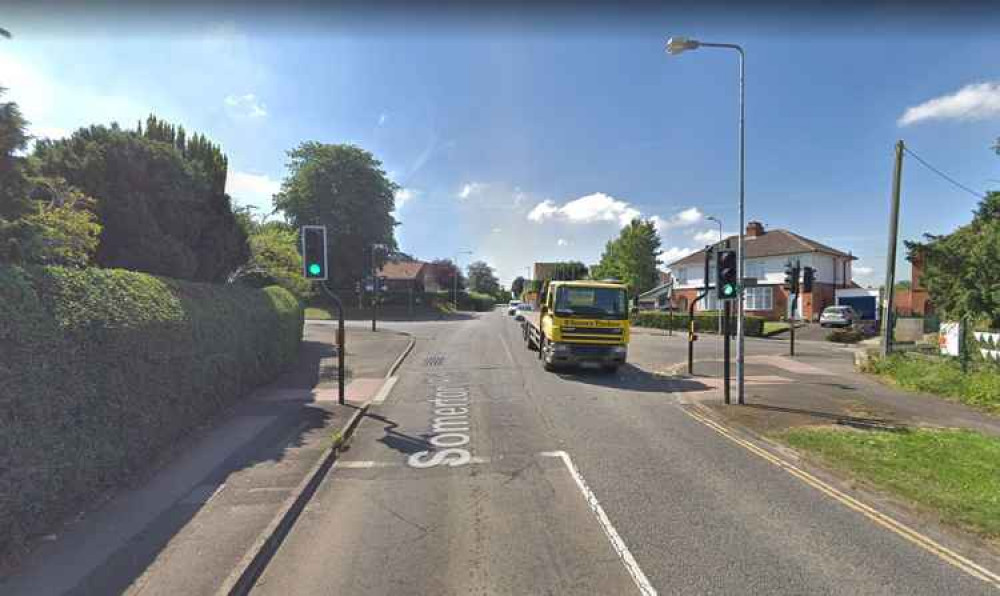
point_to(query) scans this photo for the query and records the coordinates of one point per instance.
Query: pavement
(480, 473)
(196, 517)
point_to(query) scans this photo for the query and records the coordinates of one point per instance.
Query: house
(767, 252)
(658, 298)
(404, 276)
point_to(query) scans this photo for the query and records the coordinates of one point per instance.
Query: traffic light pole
(791, 328)
(340, 342)
(374, 290)
(725, 350)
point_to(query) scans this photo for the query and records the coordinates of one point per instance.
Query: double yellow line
(883, 520)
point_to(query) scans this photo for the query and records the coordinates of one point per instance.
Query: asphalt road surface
(483, 474)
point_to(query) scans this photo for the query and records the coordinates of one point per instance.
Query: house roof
(770, 243)
(657, 291)
(401, 270)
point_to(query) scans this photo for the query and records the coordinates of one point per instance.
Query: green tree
(444, 273)
(344, 188)
(482, 279)
(960, 269)
(517, 286)
(632, 257)
(14, 186)
(162, 208)
(274, 258)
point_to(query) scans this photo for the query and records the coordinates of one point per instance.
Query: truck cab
(580, 322)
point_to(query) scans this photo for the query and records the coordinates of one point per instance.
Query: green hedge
(707, 322)
(101, 368)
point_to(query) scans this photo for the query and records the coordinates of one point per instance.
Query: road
(577, 483)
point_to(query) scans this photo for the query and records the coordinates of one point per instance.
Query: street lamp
(678, 45)
(458, 272)
(718, 221)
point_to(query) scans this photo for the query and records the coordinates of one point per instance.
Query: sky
(526, 139)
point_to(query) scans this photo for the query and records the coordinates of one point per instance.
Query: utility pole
(374, 289)
(890, 259)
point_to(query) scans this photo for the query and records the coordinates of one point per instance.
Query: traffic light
(808, 276)
(792, 278)
(314, 252)
(726, 281)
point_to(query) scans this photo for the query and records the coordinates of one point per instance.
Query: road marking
(384, 391)
(883, 520)
(616, 541)
(365, 464)
(506, 348)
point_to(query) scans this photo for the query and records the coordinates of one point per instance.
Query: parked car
(512, 306)
(521, 309)
(838, 316)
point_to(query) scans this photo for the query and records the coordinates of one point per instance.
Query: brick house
(767, 252)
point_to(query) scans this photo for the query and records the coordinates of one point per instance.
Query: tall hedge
(102, 368)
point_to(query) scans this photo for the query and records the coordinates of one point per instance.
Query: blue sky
(523, 144)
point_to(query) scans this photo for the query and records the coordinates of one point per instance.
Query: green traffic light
(728, 290)
(315, 269)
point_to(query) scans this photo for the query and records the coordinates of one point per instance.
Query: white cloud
(245, 105)
(469, 189)
(496, 230)
(561, 242)
(381, 119)
(252, 189)
(592, 208)
(707, 236)
(49, 132)
(978, 101)
(404, 195)
(861, 270)
(674, 253)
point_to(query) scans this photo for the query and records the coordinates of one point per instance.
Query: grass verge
(773, 327)
(954, 472)
(979, 387)
(315, 313)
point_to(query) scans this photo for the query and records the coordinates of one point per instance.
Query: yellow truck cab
(580, 322)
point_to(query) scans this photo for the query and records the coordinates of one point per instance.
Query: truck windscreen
(603, 303)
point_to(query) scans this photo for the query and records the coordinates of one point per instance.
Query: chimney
(754, 229)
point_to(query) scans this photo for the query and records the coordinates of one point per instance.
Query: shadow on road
(853, 421)
(398, 441)
(632, 378)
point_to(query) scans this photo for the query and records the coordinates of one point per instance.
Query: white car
(838, 316)
(512, 306)
(521, 309)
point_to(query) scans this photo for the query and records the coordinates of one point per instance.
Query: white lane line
(942, 552)
(365, 464)
(506, 348)
(617, 543)
(384, 391)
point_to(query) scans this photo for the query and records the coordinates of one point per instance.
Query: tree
(160, 199)
(632, 257)
(445, 272)
(960, 269)
(14, 186)
(274, 258)
(344, 188)
(517, 286)
(482, 279)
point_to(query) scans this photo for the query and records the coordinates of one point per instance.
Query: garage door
(864, 305)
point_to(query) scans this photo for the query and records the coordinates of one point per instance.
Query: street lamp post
(677, 45)
(458, 272)
(718, 221)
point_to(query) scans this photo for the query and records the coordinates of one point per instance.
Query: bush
(100, 369)
(702, 322)
(979, 387)
(845, 336)
(475, 301)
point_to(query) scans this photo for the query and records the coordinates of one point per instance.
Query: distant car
(512, 306)
(838, 316)
(521, 309)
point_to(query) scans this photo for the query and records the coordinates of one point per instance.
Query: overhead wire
(974, 193)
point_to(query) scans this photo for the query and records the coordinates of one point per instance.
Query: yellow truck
(579, 322)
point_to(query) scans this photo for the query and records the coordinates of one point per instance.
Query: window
(710, 302)
(759, 298)
(601, 302)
